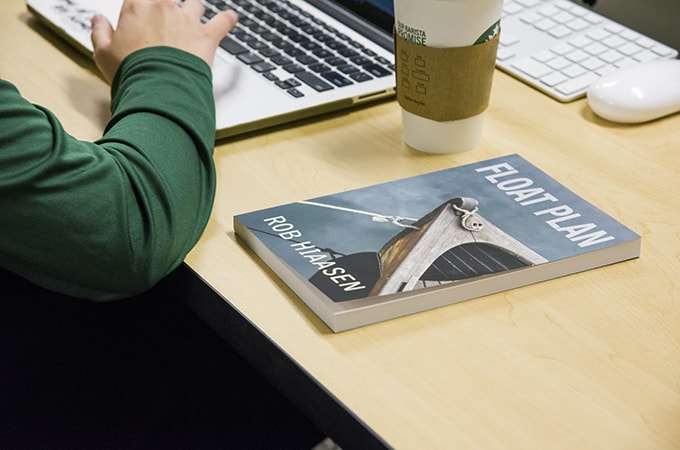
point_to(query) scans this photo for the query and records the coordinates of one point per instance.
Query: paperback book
(401, 247)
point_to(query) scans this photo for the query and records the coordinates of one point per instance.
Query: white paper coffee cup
(444, 24)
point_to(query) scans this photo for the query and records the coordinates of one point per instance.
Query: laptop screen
(378, 12)
(383, 5)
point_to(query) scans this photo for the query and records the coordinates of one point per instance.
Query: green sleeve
(107, 219)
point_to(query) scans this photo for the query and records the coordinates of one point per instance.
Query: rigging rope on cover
(396, 220)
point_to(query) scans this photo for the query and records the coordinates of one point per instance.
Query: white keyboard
(561, 48)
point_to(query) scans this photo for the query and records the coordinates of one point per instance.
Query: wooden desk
(587, 361)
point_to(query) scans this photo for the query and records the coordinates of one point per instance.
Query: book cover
(397, 248)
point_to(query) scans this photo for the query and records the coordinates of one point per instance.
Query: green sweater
(108, 219)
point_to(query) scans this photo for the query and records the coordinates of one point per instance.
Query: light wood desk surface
(590, 360)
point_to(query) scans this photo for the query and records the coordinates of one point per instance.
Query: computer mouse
(638, 93)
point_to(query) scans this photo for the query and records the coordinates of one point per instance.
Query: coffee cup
(445, 54)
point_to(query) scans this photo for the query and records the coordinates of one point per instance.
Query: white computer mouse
(638, 93)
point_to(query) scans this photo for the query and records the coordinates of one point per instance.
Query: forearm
(108, 219)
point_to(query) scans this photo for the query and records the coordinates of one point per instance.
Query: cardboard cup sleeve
(445, 84)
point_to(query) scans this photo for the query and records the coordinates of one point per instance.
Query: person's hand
(149, 23)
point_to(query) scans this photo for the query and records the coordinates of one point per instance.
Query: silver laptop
(286, 59)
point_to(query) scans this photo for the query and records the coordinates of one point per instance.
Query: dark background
(655, 18)
(141, 373)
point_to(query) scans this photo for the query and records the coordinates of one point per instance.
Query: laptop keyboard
(561, 48)
(290, 47)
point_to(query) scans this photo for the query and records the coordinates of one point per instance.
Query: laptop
(286, 60)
